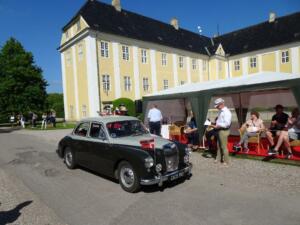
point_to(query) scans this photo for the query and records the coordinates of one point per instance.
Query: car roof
(108, 119)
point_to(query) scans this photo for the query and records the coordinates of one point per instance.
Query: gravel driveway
(248, 192)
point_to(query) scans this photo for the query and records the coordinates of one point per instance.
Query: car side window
(82, 129)
(97, 131)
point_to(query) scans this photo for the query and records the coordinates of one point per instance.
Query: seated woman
(251, 127)
(192, 133)
(291, 132)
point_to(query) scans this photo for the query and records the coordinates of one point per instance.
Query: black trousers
(209, 135)
(155, 128)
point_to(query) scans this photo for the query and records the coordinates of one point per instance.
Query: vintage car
(121, 147)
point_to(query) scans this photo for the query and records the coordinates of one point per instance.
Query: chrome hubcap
(127, 176)
(69, 158)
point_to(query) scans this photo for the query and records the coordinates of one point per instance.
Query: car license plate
(176, 176)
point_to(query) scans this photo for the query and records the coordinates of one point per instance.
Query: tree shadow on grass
(12, 215)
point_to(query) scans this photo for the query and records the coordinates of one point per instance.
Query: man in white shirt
(222, 126)
(155, 118)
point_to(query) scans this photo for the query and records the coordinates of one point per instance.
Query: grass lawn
(59, 126)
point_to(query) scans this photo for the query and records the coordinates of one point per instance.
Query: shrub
(127, 102)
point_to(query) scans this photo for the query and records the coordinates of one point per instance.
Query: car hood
(159, 142)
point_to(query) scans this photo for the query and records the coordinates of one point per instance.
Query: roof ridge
(256, 25)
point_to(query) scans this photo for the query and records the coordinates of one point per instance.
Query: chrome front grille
(172, 162)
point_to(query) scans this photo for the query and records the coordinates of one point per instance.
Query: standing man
(222, 127)
(155, 118)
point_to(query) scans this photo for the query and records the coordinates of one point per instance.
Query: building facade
(108, 53)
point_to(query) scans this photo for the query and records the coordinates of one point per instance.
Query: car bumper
(159, 179)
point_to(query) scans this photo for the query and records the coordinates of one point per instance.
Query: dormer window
(78, 25)
(67, 34)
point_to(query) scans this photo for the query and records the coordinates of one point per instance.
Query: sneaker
(246, 150)
(289, 155)
(237, 147)
(272, 151)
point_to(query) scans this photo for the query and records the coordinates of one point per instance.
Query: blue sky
(37, 24)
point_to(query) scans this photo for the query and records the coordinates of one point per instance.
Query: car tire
(69, 158)
(128, 177)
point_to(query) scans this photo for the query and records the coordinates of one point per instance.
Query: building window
(67, 34)
(253, 62)
(71, 111)
(236, 65)
(204, 63)
(80, 52)
(144, 56)
(106, 82)
(182, 82)
(146, 84)
(78, 25)
(285, 56)
(104, 49)
(194, 64)
(68, 58)
(220, 65)
(84, 114)
(181, 62)
(163, 59)
(127, 83)
(125, 51)
(166, 84)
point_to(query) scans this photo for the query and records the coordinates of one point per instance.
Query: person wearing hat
(222, 127)
(123, 110)
(279, 120)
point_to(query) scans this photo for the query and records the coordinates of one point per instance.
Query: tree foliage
(22, 86)
(128, 103)
(55, 101)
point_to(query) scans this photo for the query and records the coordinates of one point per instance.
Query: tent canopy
(200, 94)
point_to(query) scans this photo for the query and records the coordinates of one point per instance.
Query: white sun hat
(219, 101)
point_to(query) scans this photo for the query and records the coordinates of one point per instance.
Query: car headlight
(188, 151)
(158, 167)
(186, 159)
(149, 162)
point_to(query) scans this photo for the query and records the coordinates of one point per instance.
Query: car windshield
(126, 128)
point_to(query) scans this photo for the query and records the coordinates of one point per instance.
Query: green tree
(22, 86)
(55, 101)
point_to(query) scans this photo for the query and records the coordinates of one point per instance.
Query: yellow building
(108, 53)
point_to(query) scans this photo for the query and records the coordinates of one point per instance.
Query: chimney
(272, 17)
(116, 4)
(174, 23)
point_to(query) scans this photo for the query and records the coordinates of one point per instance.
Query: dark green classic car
(122, 148)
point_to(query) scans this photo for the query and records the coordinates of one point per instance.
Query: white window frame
(253, 62)
(106, 82)
(181, 62)
(125, 53)
(164, 59)
(146, 85)
(127, 83)
(194, 64)
(68, 58)
(144, 56)
(104, 49)
(78, 26)
(165, 84)
(236, 65)
(285, 56)
(80, 51)
(84, 111)
(71, 107)
(204, 65)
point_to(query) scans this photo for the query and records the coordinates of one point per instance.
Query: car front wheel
(69, 158)
(128, 177)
